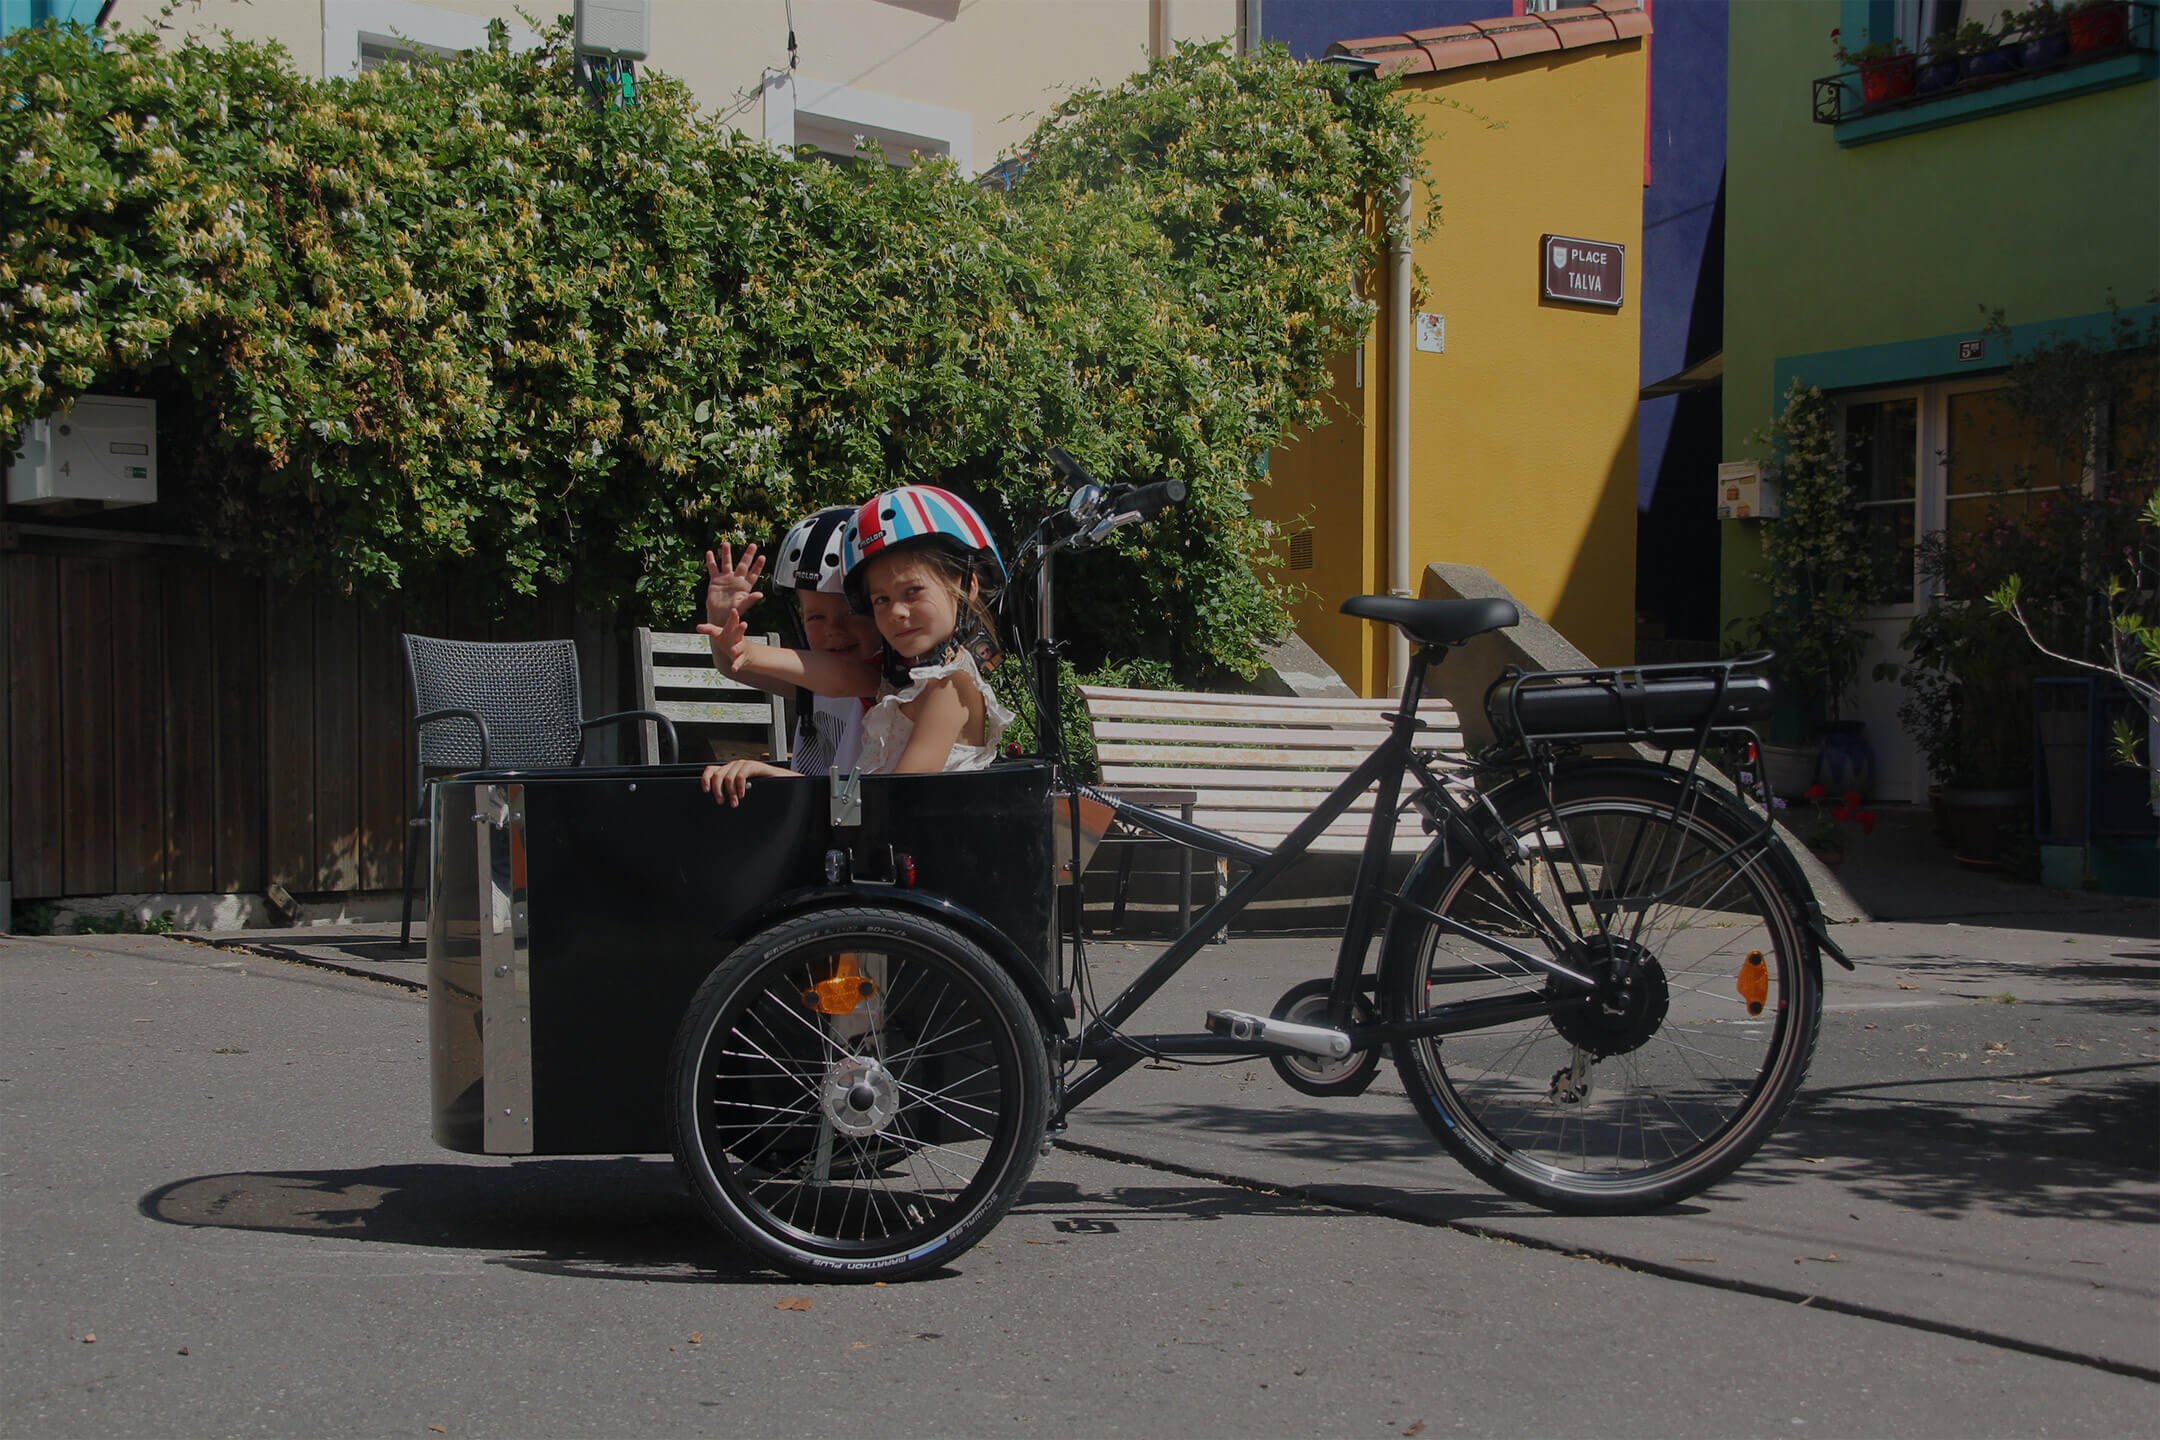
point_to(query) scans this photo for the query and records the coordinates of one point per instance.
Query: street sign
(1581, 272)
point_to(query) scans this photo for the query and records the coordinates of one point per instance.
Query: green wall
(1864, 264)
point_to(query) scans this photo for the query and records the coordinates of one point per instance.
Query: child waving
(809, 561)
(917, 560)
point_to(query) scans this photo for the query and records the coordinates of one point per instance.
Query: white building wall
(965, 77)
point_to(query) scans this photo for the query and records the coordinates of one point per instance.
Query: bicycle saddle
(1435, 622)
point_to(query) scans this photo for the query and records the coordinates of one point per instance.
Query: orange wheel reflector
(843, 992)
(1754, 983)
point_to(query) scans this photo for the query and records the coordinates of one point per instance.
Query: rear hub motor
(1630, 1003)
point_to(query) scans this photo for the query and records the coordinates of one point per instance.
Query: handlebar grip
(1153, 499)
(1069, 469)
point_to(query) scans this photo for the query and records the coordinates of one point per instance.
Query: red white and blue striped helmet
(917, 513)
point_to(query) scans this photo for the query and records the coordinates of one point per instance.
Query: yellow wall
(1522, 433)
(1323, 481)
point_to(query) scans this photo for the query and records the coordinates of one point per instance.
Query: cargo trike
(850, 1009)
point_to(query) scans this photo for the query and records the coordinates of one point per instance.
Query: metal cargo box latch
(496, 806)
(846, 808)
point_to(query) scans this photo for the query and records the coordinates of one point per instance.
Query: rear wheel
(858, 1095)
(1710, 997)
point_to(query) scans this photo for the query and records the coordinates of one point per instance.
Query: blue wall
(1308, 27)
(14, 14)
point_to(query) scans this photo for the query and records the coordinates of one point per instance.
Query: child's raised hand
(730, 584)
(730, 640)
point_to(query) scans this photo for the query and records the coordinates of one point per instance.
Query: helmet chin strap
(970, 636)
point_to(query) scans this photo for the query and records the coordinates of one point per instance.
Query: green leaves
(456, 319)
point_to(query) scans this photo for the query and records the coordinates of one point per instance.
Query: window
(836, 118)
(1882, 457)
(1946, 457)
(362, 35)
(374, 54)
(1918, 20)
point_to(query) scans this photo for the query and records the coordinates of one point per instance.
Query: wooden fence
(175, 726)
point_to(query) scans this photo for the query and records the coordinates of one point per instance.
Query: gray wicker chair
(481, 706)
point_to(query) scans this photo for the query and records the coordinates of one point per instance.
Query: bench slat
(715, 712)
(1282, 822)
(1094, 693)
(1329, 738)
(681, 643)
(1300, 800)
(1442, 717)
(1339, 762)
(669, 677)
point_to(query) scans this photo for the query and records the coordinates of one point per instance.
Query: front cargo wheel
(858, 1095)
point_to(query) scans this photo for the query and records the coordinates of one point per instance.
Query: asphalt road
(218, 1167)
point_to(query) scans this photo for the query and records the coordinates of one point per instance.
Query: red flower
(1813, 792)
(1841, 814)
(1852, 799)
(1867, 822)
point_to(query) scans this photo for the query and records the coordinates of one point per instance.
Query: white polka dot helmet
(811, 553)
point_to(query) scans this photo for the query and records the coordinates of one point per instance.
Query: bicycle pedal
(1305, 1039)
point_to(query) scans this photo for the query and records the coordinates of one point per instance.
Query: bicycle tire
(874, 1143)
(1603, 1109)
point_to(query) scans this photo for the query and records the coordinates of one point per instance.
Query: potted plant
(1887, 69)
(1947, 54)
(2038, 30)
(2094, 25)
(1968, 705)
(1832, 820)
(1816, 571)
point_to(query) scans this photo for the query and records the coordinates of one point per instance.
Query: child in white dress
(917, 558)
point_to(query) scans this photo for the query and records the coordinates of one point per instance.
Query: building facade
(1518, 449)
(1677, 286)
(1865, 248)
(937, 77)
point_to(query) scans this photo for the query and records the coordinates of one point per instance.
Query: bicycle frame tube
(1114, 1052)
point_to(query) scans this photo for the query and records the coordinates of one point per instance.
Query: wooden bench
(715, 718)
(1257, 765)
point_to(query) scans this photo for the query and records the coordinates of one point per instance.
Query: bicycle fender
(1783, 865)
(996, 942)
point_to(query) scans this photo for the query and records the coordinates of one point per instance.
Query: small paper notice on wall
(1432, 332)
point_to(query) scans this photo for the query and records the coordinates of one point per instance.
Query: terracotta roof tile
(1524, 40)
(1451, 47)
(1583, 27)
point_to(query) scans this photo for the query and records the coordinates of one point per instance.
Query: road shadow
(2134, 971)
(604, 1219)
(1314, 1141)
(619, 1219)
(2090, 1150)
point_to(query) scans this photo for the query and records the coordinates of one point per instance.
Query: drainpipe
(1399, 336)
(1158, 26)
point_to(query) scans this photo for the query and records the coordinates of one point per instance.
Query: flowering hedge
(459, 318)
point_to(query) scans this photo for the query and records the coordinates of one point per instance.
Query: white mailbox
(102, 448)
(1743, 494)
